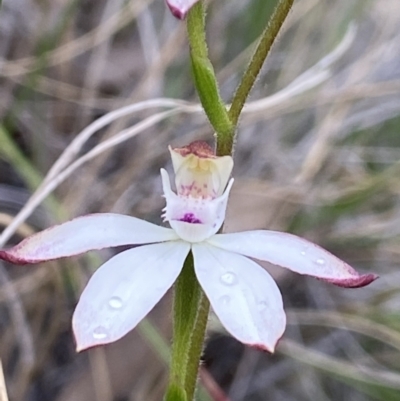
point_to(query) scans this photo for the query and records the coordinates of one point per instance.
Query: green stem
(264, 46)
(191, 308)
(204, 76)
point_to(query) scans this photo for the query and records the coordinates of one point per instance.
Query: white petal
(243, 295)
(95, 231)
(124, 290)
(294, 253)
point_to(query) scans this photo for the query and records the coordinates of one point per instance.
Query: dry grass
(317, 154)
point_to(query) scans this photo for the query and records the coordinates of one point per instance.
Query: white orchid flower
(124, 290)
(179, 8)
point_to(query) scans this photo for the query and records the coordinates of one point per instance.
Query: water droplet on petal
(225, 299)
(99, 333)
(262, 305)
(229, 278)
(320, 262)
(303, 253)
(115, 302)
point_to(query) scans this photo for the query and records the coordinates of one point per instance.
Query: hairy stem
(191, 308)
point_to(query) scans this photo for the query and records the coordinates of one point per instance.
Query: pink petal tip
(179, 8)
(263, 347)
(353, 282)
(177, 13)
(10, 257)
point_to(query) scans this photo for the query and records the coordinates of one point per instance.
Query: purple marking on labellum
(190, 218)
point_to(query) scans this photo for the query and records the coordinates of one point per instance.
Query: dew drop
(225, 299)
(228, 278)
(262, 305)
(99, 333)
(115, 303)
(303, 253)
(320, 262)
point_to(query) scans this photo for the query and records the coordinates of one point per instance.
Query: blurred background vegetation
(321, 161)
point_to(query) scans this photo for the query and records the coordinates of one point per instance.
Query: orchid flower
(124, 290)
(179, 8)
